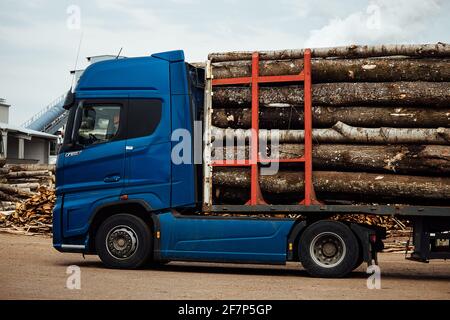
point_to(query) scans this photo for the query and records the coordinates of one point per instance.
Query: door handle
(110, 179)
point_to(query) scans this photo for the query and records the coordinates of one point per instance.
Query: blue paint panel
(148, 172)
(171, 56)
(84, 182)
(251, 240)
(144, 73)
(178, 79)
(57, 222)
(183, 174)
(79, 207)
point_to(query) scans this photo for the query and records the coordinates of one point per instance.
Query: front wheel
(124, 241)
(328, 249)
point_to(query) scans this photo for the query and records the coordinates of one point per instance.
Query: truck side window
(98, 124)
(144, 116)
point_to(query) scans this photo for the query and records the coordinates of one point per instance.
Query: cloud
(382, 21)
(38, 49)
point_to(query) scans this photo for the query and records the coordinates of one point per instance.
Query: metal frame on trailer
(256, 197)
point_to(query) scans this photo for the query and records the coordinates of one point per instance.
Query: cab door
(94, 165)
(148, 151)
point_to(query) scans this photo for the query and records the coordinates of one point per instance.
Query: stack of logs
(27, 197)
(381, 124)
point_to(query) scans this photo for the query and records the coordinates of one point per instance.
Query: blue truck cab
(120, 195)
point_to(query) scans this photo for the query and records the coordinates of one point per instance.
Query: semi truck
(121, 195)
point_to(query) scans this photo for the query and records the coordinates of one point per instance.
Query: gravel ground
(31, 269)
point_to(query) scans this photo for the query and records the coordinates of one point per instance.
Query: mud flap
(370, 240)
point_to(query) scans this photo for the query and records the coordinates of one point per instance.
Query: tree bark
(323, 116)
(30, 167)
(30, 185)
(7, 197)
(15, 191)
(342, 133)
(403, 159)
(344, 94)
(354, 51)
(341, 182)
(25, 180)
(26, 174)
(344, 70)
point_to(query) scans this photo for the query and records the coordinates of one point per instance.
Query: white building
(21, 145)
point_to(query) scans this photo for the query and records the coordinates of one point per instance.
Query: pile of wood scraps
(27, 198)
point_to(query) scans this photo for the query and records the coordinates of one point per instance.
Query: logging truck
(137, 177)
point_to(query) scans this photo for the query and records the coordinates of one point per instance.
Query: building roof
(25, 131)
(3, 102)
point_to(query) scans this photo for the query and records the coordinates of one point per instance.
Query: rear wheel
(124, 241)
(359, 262)
(328, 249)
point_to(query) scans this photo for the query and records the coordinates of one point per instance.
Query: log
(30, 185)
(6, 212)
(25, 180)
(7, 197)
(341, 93)
(370, 184)
(25, 174)
(353, 51)
(402, 159)
(227, 195)
(347, 70)
(30, 167)
(326, 116)
(15, 191)
(392, 135)
(343, 133)
(7, 205)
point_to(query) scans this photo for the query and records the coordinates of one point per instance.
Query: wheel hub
(327, 249)
(121, 242)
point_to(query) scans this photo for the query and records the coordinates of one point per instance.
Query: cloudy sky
(39, 38)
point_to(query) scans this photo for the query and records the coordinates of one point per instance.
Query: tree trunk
(323, 116)
(342, 93)
(338, 70)
(7, 197)
(30, 185)
(15, 191)
(342, 133)
(25, 174)
(422, 159)
(25, 180)
(30, 167)
(420, 50)
(341, 182)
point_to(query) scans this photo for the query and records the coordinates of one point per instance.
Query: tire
(359, 261)
(124, 241)
(328, 249)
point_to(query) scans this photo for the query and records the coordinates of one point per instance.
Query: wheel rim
(327, 249)
(122, 242)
